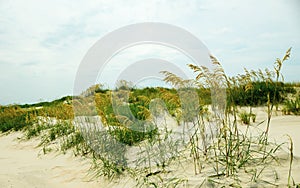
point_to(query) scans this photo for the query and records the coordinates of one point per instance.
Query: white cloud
(223, 30)
(128, 57)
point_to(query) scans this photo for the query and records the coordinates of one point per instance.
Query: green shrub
(133, 134)
(257, 94)
(34, 130)
(292, 106)
(60, 111)
(67, 136)
(245, 117)
(15, 118)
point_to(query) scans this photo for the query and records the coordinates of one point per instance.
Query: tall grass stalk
(290, 184)
(277, 68)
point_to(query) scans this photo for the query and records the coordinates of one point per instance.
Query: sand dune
(24, 165)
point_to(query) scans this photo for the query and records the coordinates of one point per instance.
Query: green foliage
(64, 133)
(66, 99)
(134, 134)
(15, 118)
(56, 131)
(245, 117)
(61, 111)
(292, 106)
(34, 130)
(105, 167)
(257, 94)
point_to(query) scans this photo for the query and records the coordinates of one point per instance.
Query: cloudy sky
(43, 42)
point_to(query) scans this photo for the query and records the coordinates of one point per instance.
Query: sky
(42, 43)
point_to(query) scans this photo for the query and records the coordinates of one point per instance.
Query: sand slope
(24, 165)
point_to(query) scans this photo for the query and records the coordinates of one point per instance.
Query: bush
(258, 93)
(292, 106)
(245, 117)
(15, 118)
(132, 135)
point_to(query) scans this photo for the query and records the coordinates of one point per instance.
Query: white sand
(24, 165)
(280, 126)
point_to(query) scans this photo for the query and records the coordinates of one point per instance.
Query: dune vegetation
(137, 120)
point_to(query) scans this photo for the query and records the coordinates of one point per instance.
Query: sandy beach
(23, 164)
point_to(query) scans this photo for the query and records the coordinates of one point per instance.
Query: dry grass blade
(291, 160)
(173, 79)
(287, 54)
